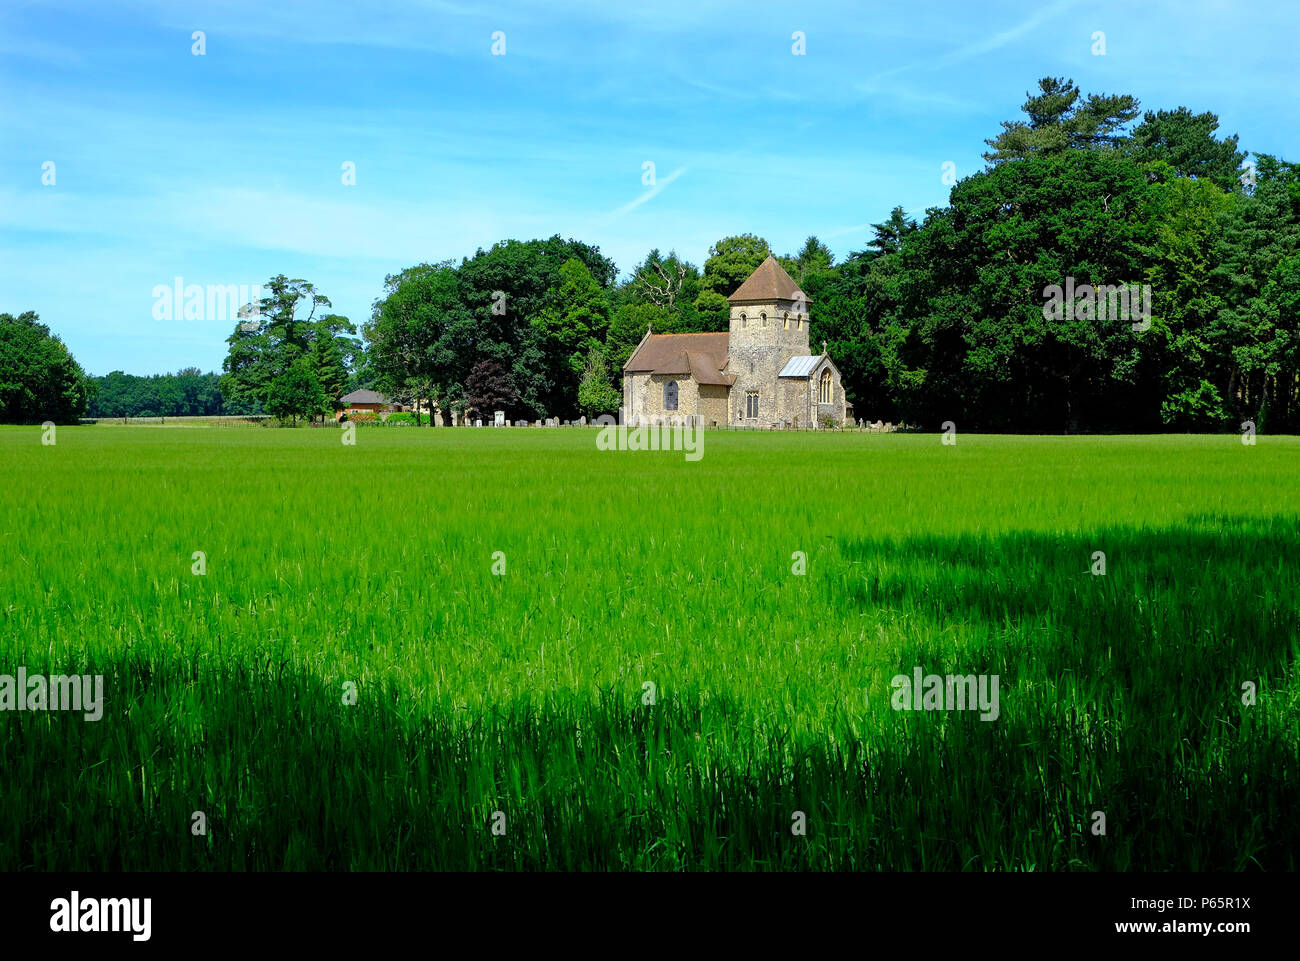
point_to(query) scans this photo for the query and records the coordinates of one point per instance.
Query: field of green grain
(525, 693)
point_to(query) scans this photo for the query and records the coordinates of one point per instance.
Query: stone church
(761, 373)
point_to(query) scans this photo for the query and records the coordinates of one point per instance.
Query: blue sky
(226, 168)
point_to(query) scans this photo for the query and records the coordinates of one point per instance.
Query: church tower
(769, 326)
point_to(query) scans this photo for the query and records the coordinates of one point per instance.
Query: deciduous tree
(39, 378)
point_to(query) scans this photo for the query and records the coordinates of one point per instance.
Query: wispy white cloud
(226, 167)
(979, 47)
(845, 231)
(646, 196)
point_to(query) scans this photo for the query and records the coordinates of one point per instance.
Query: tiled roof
(768, 283)
(363, 396)
(705, 369)
(702, 356)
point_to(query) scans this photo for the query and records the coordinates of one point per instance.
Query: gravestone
(500, 418)
(478, 423)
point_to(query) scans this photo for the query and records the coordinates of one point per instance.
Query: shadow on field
(1125, 690)
(1120, 694)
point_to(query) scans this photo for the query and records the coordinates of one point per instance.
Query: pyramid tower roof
(768, 283)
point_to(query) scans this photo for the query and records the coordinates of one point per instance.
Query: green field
(525, 693)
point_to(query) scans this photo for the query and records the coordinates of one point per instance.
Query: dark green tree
(1256, 236)
(596, 393)
(421, 336)
(1186, 142)
(1060, 120)
(713, 311)
(266, 345)
(731, 260)
(296, 393)
(628, 326)
(568, 329)
(887, 237)
(814, 256)
(975, 345)
(505, 288)
(39, 378)
(1189, 355)
(329, 368)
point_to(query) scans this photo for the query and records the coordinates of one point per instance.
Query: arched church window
(787, 320)
(827, 387)
(765, 318)
(744, 321)
(670, 395)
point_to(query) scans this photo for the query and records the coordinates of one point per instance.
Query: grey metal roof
(363, 396)
(800, 366)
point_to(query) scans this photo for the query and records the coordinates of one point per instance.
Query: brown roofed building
(363, 401)
(758, 374)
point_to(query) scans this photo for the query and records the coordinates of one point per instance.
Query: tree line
(186, 393)
(956, 317)
(1107, 270)
(954, 320)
